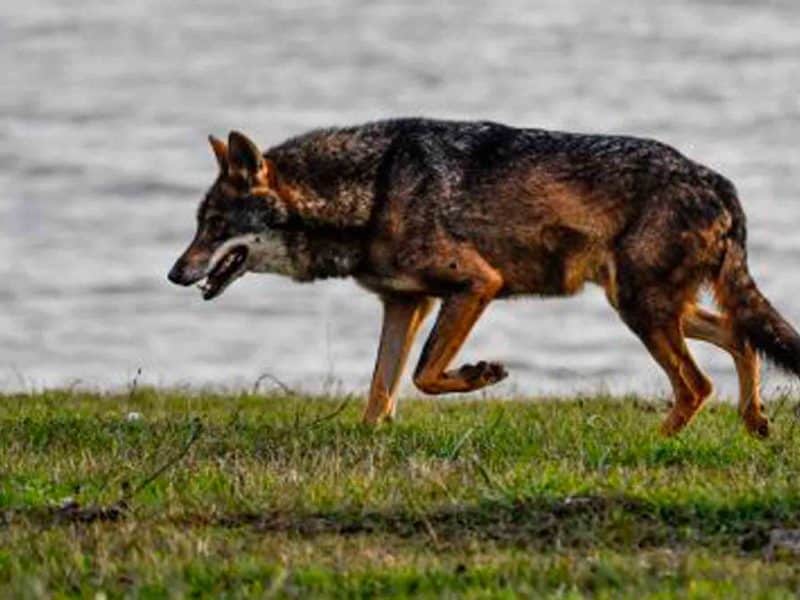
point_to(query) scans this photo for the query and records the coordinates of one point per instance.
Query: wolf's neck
(329, 176)
(320, 255)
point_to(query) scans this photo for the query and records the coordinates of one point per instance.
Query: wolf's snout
(176, 276)
(182, 274)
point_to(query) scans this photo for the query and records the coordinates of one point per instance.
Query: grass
(212, 495)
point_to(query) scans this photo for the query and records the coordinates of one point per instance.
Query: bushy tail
(754, 318)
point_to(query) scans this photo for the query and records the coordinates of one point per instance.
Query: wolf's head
(238, 221)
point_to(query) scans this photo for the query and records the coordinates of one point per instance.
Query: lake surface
(105, 108)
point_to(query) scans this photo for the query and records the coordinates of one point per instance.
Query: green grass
(292, 497)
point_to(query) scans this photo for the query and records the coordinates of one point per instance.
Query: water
(105, 108)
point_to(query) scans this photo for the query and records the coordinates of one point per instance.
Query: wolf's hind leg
(709, 327)
(402, 318)
(655, 317)
(458, 314)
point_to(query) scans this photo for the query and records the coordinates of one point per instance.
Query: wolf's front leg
(458, 314)
(402, 317)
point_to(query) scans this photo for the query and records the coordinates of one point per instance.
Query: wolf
(417, 210)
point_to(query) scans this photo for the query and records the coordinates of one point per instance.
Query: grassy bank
(251, 496)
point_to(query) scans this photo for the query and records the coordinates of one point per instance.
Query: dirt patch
(574, 522)
(71, 512)
(581, 521)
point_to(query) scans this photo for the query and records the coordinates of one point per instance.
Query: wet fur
(472, 211)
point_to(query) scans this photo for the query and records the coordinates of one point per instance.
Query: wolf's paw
(483, 373)
(757, 425)
(675, 421)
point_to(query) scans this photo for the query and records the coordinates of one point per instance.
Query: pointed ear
(243, 155)
(220, 149)
(268, 176)
(245, 159)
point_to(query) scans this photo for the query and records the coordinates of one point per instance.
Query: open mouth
(222, 274)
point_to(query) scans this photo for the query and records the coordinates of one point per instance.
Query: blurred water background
(105, 107)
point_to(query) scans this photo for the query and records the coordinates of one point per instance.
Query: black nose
(176, 275)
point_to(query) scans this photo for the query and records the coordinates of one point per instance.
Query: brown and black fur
(469, 212)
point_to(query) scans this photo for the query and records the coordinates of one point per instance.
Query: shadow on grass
(534, 523)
